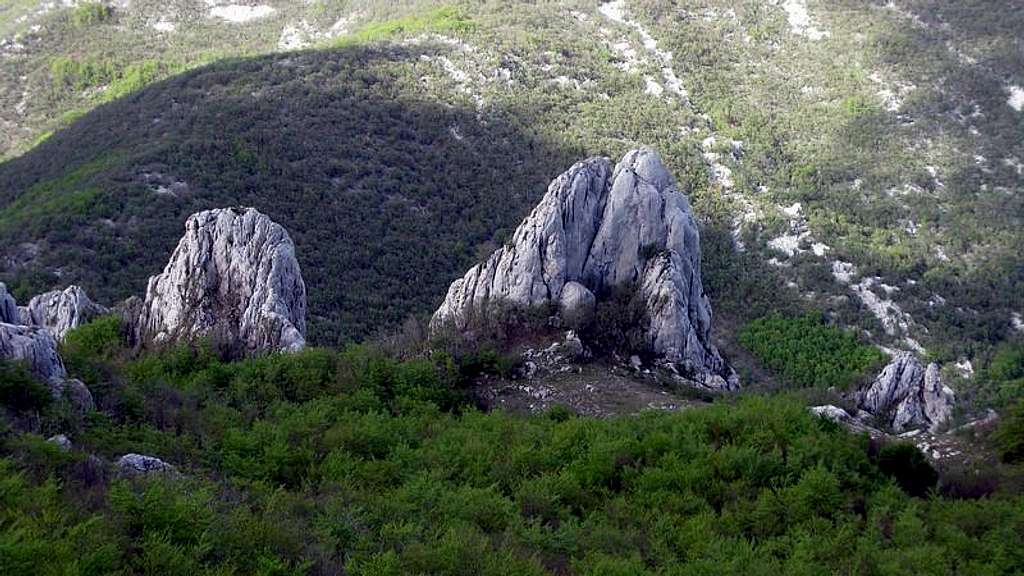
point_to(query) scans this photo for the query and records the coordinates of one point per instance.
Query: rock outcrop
(233, 278)
(596, 230)
(135, 465)
(61, 311)
(8, 307)
(34, 346)
(907, 395)
(843, 418)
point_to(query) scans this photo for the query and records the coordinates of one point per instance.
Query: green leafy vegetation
(1009, 437)
(349, 461)
(444, 19)
(19, 390)
(807, 352)
(90, 13)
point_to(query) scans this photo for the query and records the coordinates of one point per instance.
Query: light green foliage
(807, 352)
(445, 19)
(90, 13)
(69, 196)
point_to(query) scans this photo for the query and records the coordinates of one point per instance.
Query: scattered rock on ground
(135, 465)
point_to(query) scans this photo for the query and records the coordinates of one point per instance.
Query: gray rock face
(596, 229)
(61, 311)
(34, 346)
(135, 465)
(908, 395)
(843, 418)
(233, 277)
(8, 307)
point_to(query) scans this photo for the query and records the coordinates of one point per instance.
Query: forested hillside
(862, 157)
(356, 463)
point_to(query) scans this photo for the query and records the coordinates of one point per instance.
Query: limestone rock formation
(34, 346)
(908, 395)
(134, 465)
(599, 228)
(843, 418)
(60, 311)
(234, 278)
(8, 307)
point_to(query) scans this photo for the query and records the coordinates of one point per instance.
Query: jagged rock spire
(599, 228)
(234, 278)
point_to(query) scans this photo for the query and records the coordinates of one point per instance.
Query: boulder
(136, 465)
(906, 395)
(8, 307)
(234, 278)
(74, 391)
(576, 304)
(60, 311)
(601, 228)
(61, 441)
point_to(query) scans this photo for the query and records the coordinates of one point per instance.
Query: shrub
(89, 13)
(908, 466)
(19, 389)
(1009, 437)
(806, 352)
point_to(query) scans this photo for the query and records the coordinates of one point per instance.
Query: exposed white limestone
(240, 14)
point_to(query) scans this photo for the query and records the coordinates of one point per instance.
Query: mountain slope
(862, 159)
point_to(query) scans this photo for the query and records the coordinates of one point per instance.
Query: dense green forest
(353, 462)
(807, 352)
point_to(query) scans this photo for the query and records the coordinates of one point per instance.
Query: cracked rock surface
(602, 227)
(233, 277)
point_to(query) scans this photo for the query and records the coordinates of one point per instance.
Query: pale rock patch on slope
(1017, 321)
(34, 346)
(893, 319)
(597, 229)
(616, 12)
(1016, 98)
(137, 465)
(241, 14)
(800, 21)
(233, 277)
(163, 24)
(298, 36)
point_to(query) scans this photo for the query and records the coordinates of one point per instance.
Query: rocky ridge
(233, 277)
(599, 229)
